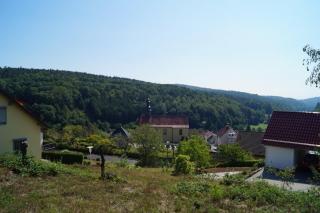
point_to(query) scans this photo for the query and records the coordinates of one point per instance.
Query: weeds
(27, 166)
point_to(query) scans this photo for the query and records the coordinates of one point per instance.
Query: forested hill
(62, 97)
(278, 103)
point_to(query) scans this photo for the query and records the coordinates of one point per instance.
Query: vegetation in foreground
(78, 188)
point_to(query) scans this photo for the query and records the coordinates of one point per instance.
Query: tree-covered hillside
(62, 97)
(277, 102)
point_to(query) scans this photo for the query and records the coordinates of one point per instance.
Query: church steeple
(148, 107)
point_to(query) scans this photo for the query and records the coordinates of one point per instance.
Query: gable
(293, 129)
(15, 108)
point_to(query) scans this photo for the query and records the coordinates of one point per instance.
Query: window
(17, 144)
(164, 131)
(3, 115)
(180, 131)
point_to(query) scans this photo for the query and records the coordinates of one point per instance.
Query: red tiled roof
(207, 134)
(223, 131)
(165, 120)
(21, 105)
(293, 129)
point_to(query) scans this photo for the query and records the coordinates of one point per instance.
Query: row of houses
(289, 137)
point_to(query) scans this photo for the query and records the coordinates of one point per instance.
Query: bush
(259, 192)
(193, 188)
(149, 143)
(27, 165)
(123, 162)
(236, 179)
(216, 192)
(245, 163)
(66, 157)
(230, 153)
(197, 149)
(183, 165)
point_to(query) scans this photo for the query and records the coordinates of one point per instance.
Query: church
(174, 128)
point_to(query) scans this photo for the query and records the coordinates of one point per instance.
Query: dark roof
(251, 141)
(293, 130)
(23, 108)
(223, 131)
(122, 131)
(165, 120)
(207, 134)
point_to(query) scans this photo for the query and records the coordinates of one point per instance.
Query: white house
(289, 137)
(226, 135)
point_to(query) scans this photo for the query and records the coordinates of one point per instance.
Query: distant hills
(71, 98)
(278, 102)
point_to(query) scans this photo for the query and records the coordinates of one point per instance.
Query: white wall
(227, 138)
(279, 157)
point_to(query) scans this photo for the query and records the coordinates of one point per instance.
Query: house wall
(19, 125)
(279, 157)
(212, 139)
(172, 134)
(225, 139)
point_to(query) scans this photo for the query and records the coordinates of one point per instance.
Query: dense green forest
(277, 102)
(63, 97)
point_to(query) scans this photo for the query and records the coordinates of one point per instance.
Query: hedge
(65, 157)
(246, 163)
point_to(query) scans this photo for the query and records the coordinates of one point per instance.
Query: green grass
(79, 189)
(261, 126)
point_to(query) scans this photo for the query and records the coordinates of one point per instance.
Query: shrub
(197, 149)
(258, 192)
(27, 165)
(193, 188)
(236, 179)
(230, 153)
(149, 143)
(86, 162)
(315, 179)
(123, 162)
(244, 163)
(183, 165)
(66, 157)
(216, 192)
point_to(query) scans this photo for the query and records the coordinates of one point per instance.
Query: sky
(248, 45)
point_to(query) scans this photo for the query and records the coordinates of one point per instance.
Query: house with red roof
(226, 135)
(209, 136)
(174, 128)
(18, 127)
(290, 137)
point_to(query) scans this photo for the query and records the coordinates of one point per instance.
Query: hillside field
(144, 190)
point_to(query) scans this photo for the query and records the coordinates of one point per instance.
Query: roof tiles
(293, 129)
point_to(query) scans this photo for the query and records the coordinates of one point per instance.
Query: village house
(18, 125)
(290, 137)
(226, 135)
(173, 128)
(209, 136)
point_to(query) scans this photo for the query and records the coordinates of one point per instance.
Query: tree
(103, 145)
(197, 149)
(149, 143)
(122, 142)
(230, 153)
(312, 64)
(183, 165)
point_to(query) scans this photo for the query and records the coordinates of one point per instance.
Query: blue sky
(251, 46)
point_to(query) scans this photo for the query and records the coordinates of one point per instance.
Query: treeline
(62, 97)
